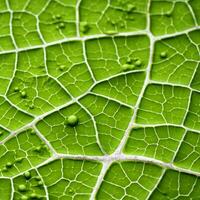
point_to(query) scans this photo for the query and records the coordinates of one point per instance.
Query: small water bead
(16, 89)
(110, 32)
(130, 7)
(61, 25)
(163, 54)
(138, 63)
(34, 196)
(126, 67)
(58, 16)
(84, 27)
(72, 120)
(61, 67)
(4, 169)
(9, 164)
(71, 191)
(31, 107)
(23, 94)
(40, 183)
(32, 132)
(1, 133)
(129, 60)
(19, 160)
(24, 197)
(27, 175)
(22, 188)
(38, 178)
(38, 149)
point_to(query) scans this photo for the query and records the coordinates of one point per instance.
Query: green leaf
(99, 100)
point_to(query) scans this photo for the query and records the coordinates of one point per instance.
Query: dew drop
(84, 27)
(129, 60)
(32, 132)
(138, 63)
(126, 67)
(58, 16)
(71, 191)
(110, 32)
(9, 164)
(61, 67)
(23, 94)
(72, 120)
(34, 196)
(130, 7)
(27, 175)
(22, 188)
(61, 25)
(19, 160)
(38, 149)
(31, 107)
(4, 169)
(38, 178)
(24, 197)
(40, 183)
(163, 54)
(16, 89)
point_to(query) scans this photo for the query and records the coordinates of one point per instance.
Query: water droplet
(23, 94)
(61, 25)
(84, 27)
(4, 169)
(19, 160)
(71, 191)
(38, 149)
(22, 188)
(24, 197)
(38, 178)
(126, 67)
(58, 16)
(34, 196)
(163, 54)
(138, 63)
(16, 89)
(9, 164)
(110, 32)
(72, 120)
(27, 175)
(32, 132)
(129, 60)
(61, 67)
(31, 107)
(40, 183)
(130, 7)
